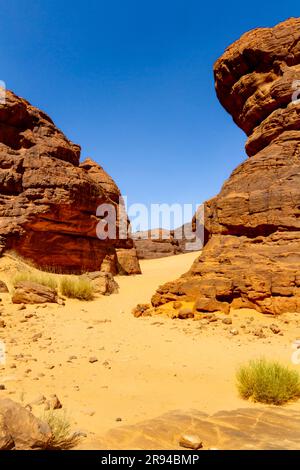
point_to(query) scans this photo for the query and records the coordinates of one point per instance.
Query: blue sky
(131, 81)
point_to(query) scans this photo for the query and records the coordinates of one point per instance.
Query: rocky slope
(252, 252)
(48, 200)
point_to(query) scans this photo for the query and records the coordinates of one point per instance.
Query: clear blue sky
(131, 81)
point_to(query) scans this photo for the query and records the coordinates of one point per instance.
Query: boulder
(20, 430)
(127, 261)
(251, 256)
(27, 292)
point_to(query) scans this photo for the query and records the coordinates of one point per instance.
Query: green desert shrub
(62, 438)
(76, 288)
(44, 279)
(268, 382)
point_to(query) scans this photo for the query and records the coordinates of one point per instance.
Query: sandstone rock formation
(20, 430)
(48, 200)
(27, 292)
(156, 243)
(252, 252)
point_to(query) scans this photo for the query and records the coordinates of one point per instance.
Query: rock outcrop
(160, 243)
(252, 252)
(48, 200)
(20, 430)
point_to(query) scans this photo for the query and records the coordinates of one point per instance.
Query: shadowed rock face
(252, 255)
(48, 200)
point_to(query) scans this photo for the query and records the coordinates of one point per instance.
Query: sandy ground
(145, 367)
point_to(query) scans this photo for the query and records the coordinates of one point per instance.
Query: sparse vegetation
(268, 382)
(62, 438)
(42, 278)
(76, 288)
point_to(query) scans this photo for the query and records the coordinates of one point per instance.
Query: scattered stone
(21, 307)
(54, 402)
(190, 441)
(275, 329)
(33, 293)
(234, 332)
(185, 313)
(89, 412)
(2, 324)
(141, 310)
(29, 315)
(39, 400)
(259, 333)
(102, 283)
(118, 420)
(2, 387)
(177, 305)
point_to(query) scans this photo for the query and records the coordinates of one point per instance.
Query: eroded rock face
(252, 255)
(28, 292)
(48, 200)
(160, 243)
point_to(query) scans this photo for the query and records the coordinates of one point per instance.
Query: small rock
(39, 400)
(118, 420)
(227, 321)
(275, 329)
(259, 333)
(89, 412)
(2, 324)
(2, 387)
(177, 304)
(21, 307)
(92, 360)
(190, 441)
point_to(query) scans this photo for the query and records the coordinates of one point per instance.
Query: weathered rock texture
(252, 255)
(160, 243)
(28, 292)
(48, 200)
